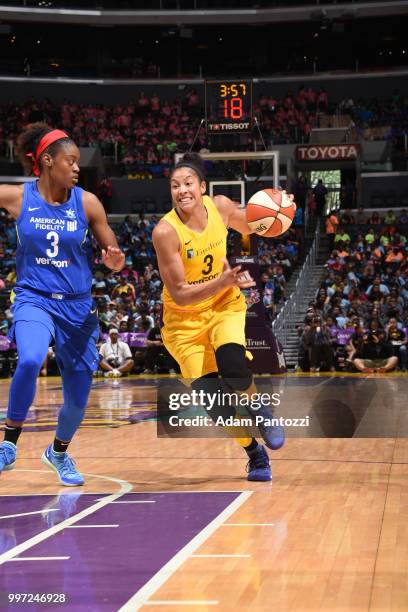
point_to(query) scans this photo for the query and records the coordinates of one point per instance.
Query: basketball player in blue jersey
(52, 296)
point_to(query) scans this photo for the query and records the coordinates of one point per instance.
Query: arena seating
(144, 134)
(133, 304)
(364, 295)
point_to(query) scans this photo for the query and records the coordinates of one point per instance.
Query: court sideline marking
(27, 513)
(125, 487)
(141, 597)
(89, 526)
(39, 559)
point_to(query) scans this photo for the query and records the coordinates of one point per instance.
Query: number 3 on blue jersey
(53, 236)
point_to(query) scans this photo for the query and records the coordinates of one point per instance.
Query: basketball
(270, 212)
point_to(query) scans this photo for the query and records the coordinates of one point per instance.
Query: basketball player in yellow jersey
(203, 307)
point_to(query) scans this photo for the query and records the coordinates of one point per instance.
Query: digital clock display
(228, 106)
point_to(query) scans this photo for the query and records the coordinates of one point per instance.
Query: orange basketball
(270, 212)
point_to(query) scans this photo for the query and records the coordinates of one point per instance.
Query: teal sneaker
(64, 467)
(8, 454)
(259, 467)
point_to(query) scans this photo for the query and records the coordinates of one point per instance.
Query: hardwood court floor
(329, 533)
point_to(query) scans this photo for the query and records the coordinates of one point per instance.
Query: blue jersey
(54, 250)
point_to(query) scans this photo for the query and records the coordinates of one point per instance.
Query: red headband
(45, 142)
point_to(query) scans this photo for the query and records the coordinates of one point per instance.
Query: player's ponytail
(28, 142)
(193, 161)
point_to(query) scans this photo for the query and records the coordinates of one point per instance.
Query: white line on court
(186, 491)
(181, 602)
(47, 494)
(221, 556)
(125, 487)
(248, 525)
(28, 513)
(136, 501)
(88, 526)
(38, 559)
(142, 596)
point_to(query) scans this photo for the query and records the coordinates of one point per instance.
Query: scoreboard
(228, 106)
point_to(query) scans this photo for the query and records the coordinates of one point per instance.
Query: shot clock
(228, 106)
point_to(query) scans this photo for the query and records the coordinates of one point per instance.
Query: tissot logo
(226, 127)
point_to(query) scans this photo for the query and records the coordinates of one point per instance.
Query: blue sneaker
(8, 454)
(64, 466)
(258, 466)
(273, 435)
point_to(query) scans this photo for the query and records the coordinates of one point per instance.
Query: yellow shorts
(193, 337)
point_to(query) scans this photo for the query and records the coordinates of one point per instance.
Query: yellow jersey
(202, 255)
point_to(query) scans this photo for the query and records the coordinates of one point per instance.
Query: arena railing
(285, 322)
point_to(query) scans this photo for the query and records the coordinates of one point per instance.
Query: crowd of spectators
(358, 320)
(292, 119)
(378, 119)
(277, 260)
(144, 134)
(130, 302)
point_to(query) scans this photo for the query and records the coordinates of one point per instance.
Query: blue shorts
(73, 325)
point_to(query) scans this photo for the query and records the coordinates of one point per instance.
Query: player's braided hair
(28, 140)
(193, 161)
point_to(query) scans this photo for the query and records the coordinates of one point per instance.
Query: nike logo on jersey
(93, 311)
(186, 243)
(35, 208)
